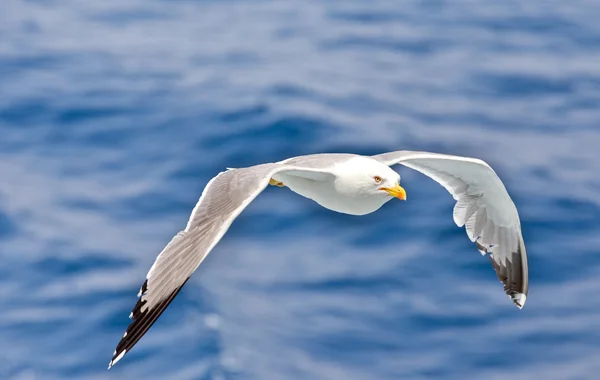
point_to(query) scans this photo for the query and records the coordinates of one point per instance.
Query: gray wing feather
(483, 206)
(223, 199)
(319, 161)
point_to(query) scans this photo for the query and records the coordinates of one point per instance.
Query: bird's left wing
(483, 206)
(223, 199)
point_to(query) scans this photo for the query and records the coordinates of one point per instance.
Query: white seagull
(349, 184)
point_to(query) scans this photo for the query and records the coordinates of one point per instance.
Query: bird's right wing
(222, 200)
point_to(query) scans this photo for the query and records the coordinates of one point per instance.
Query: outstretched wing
(222, 200)
(483, 206)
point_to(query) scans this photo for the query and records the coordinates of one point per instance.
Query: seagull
(345, 183)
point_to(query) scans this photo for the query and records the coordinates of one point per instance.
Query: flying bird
(345, 183)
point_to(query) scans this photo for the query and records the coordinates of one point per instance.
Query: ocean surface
(115, 114)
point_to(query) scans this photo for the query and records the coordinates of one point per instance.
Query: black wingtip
(142, 321)
(513, 277)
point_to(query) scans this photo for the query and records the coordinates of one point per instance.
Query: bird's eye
(377, 179)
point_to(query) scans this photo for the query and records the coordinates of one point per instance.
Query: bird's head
(367, 177)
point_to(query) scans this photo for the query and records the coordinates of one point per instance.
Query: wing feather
(483, 207)
(223, 199)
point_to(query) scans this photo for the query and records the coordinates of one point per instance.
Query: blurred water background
(115, 114)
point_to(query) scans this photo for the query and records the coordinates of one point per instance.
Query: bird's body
(345, 183)
(332, 191)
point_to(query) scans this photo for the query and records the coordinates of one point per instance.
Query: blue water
(115, 114)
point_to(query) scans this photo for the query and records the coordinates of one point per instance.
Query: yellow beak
(396, 191)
